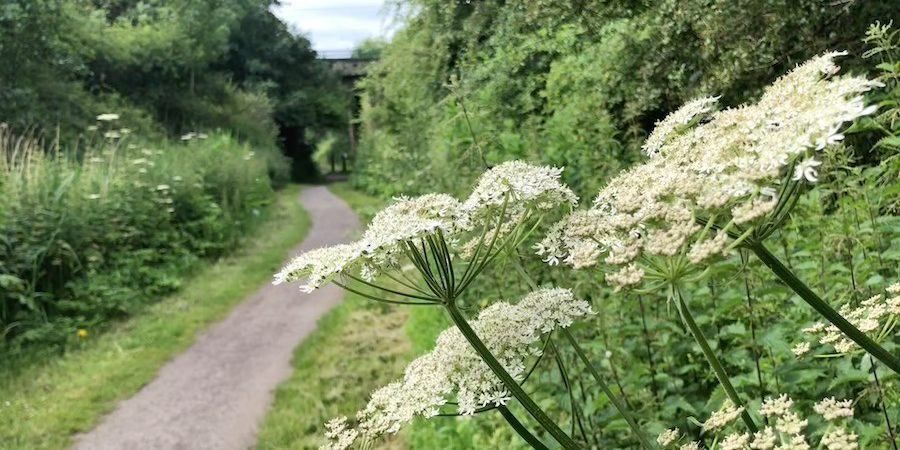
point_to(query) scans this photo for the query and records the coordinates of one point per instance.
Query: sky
(335, 26)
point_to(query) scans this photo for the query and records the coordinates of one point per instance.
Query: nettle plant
(714, 182)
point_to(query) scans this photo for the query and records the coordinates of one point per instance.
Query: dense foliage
(86, 239)
(136, 138)
(572, 83)
(467, 85)
(167, 67)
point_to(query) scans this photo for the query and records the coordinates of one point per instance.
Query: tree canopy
(167, 67)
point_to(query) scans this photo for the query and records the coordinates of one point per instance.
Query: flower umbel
(453, 369)
(712, 176)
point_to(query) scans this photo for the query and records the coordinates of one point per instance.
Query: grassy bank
(44, 405)
(358, 347)
(94, 230)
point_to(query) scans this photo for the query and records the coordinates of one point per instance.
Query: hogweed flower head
(339, 435)
(453, 368)
(320, 265)
(519, 186)
(403, 220)
(410, 219)
(874, 316)
(786, 429)
(840, 439)
(515, 187)
(735, 441)
(668, 437)
(727, 414)
(712, 175)
(681, 118)
(832, 409)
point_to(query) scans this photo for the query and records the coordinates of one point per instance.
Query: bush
(95, 231)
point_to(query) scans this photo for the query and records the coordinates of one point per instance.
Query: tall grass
(96, 229)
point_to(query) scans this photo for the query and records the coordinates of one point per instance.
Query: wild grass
(357, 348)
(93, 229)
(45, 404)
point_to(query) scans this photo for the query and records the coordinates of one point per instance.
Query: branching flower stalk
(647, 342)
(435, 266)
(533, 441)
(430, 233)
(823, 308)
(752, 320)
(620, 406)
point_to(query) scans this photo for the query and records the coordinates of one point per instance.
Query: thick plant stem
(533, 441)
(823, 308)
(721, 375)
(616, 401)
(517, 392)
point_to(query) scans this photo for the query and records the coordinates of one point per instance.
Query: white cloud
(334, 24)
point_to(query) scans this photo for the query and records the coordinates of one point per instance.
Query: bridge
(349, 69)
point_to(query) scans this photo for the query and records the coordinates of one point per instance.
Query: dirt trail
(215, 394)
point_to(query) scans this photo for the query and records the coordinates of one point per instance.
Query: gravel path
(215, 394)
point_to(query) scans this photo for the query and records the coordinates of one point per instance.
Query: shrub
(95, 231)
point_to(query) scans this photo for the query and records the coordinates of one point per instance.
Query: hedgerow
(467, 86)
(95, 231)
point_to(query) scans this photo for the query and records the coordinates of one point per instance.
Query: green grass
(357, 347)
(43, 405)
(365, 205)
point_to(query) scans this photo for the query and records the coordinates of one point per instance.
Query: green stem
(620, 406)
(392, 291)
(517, 263)
(721, 375)
(533, 441)
(533, 409)
(379, 299)
(823, 308)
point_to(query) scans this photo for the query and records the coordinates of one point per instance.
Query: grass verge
(358, 346)
(44, 405)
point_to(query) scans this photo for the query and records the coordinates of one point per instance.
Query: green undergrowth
(43, 405)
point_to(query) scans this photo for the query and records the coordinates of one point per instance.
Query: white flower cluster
(723, 417)
(338, 434)
(669, 436)
(871, 316)
(510, 331)
(723, 167)
(785, 429)
(527, 187)
(407, 218)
